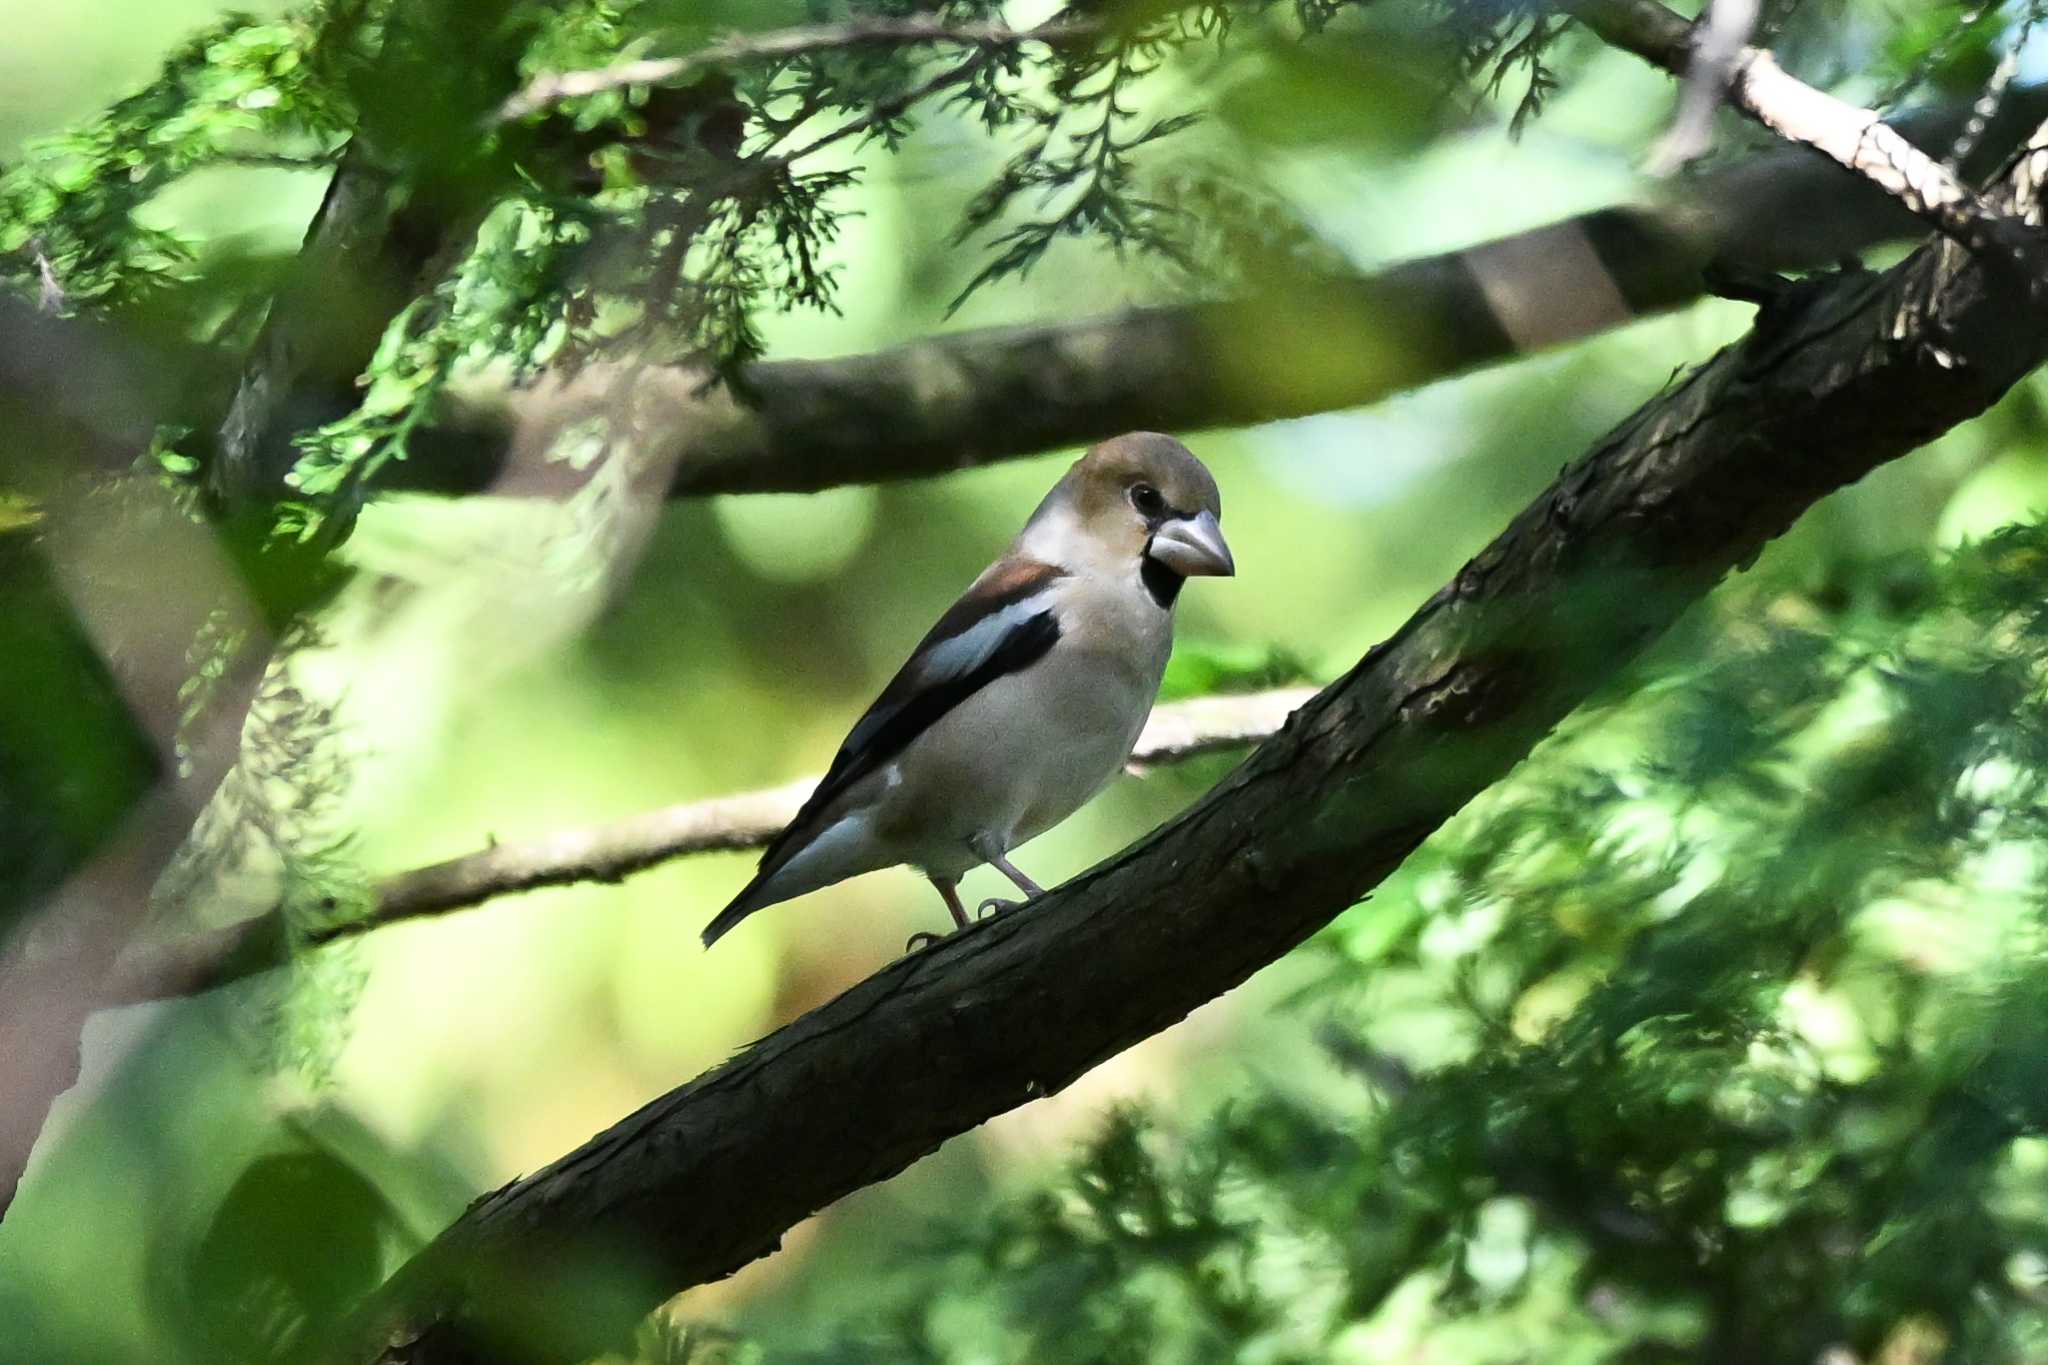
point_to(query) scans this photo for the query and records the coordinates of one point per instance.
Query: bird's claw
(993, 906)
(921, 940)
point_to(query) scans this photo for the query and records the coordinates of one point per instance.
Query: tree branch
(1724, 35)
(613, 852)
(974, 397)
(1855, 139)
(708, 1177)
(553, 87)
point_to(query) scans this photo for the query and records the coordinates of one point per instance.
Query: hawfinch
(1025, 698)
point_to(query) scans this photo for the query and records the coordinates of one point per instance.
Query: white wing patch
(956, 657)
(971, 648)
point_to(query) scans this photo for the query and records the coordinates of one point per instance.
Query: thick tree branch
(405, 197)
(710, 1176)
(311, 348)
(973, 397)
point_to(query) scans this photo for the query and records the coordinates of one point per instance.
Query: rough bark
(1834, 381)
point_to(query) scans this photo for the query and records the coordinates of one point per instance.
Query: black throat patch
(1163, 583)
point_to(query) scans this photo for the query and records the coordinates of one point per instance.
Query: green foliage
(243, 92)
(1494, 41)
(502, 306)
(1080, 157)
(663, 222)
(1714, 1033)
(1199, 669)
(1947, 45)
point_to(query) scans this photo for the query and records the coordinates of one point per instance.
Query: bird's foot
(996, 905)
(920, 941)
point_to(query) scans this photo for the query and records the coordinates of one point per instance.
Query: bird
(1026, 697)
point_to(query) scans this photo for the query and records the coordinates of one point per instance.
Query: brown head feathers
(1109, 472)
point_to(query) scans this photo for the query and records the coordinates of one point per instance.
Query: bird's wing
(1002, 624)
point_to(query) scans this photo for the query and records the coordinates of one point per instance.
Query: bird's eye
(1146, 499)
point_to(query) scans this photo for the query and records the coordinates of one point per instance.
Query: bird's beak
(1193, 547)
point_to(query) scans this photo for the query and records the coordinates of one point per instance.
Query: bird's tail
(745, 903)
(797, 861)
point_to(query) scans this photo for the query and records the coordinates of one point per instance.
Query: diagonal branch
(972, 397)
(710, 1176)
(365, 246)
(977, 396)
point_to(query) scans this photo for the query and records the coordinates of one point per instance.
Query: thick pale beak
(1193, 548)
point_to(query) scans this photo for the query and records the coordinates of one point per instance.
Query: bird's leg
(1032, 890)
(950, 889)
(991, 853)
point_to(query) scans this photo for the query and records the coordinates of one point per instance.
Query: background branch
(972, 397)
(710, 1176)
(612, 852)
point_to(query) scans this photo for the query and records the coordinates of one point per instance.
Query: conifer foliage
(1718, 1031)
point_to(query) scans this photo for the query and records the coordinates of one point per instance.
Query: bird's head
(1140, 499)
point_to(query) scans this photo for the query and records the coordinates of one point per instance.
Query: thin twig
(951, 76)
(1852, 137)
(609, 853)
(554, 87)
(1987, 104)
(1720, 41)
(50, 296)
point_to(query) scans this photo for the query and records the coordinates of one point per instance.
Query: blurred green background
(490, 694)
